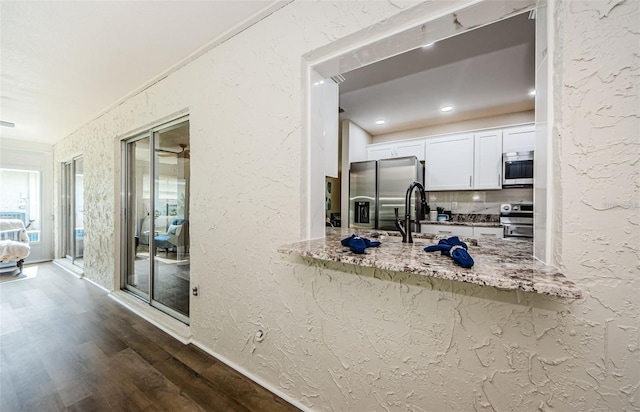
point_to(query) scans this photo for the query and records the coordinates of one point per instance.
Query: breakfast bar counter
(500, 263)
(460, 223)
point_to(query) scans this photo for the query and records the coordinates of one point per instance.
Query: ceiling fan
(184, 153)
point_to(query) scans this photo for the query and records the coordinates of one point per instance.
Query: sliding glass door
(156, 225)
(138, 222)
(73, 210)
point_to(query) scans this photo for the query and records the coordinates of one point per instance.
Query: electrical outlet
(454, 205)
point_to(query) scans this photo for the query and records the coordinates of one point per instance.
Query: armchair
(161, 223)
(177, 237)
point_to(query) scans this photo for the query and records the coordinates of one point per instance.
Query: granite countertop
(477, 220)
(501, 263)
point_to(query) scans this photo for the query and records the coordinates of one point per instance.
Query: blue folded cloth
(455, 248)
(358, 244)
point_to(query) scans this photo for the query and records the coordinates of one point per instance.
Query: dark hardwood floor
(66, 346)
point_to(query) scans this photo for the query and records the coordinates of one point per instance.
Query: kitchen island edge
(505, 264)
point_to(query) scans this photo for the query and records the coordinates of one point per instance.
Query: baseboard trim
(96, 284)
(77, 272)
(251, 376)
(71, 268)
(166, 323)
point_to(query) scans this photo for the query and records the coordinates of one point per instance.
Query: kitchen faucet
(405, 229)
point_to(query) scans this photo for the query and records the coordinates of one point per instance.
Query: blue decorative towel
(455, 248)
(358, 244)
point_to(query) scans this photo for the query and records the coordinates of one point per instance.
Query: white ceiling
(487, 71)
(63, 63)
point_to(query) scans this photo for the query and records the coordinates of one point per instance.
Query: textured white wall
(95, 143)
(346, 338)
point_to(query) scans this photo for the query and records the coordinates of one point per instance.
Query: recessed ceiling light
(532, 92)
(381, 121)
(446, 108)
(426, 46)
(7, 124)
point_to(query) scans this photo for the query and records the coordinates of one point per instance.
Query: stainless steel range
(517, 219)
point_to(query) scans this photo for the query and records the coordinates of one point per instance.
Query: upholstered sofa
(14, 245)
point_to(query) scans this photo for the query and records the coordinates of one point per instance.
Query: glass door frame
(128, 215)
(68, 219)
(128, 165)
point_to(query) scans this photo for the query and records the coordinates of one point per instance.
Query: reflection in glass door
(156, 227)
(73, 210)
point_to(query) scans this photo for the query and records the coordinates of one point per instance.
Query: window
(21, 199)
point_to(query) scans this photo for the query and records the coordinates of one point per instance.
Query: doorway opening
(439, 27)
(156, 174)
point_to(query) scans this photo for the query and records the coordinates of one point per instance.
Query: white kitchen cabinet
(487, 167)
(379, 151)
(410, 148)
(396, 149)
(447, 230)
(449, 162)
(488, 232)
(519, 138)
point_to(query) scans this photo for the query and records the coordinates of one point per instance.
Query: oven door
(515, 230)
(517, 169)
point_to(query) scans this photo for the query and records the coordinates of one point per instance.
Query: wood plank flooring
(66, 346)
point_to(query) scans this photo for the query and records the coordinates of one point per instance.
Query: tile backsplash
(482, 202)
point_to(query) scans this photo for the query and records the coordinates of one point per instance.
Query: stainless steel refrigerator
(362, 194)
(377, 188)
(394, 177)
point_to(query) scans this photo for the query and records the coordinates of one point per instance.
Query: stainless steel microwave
(517, 169)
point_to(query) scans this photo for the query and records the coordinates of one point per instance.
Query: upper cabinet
(487, 162)
(469, 161)
(449, 162)
(519, 138)
(463, 161)
(410, 148)
(396, 149)
(380, 151)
